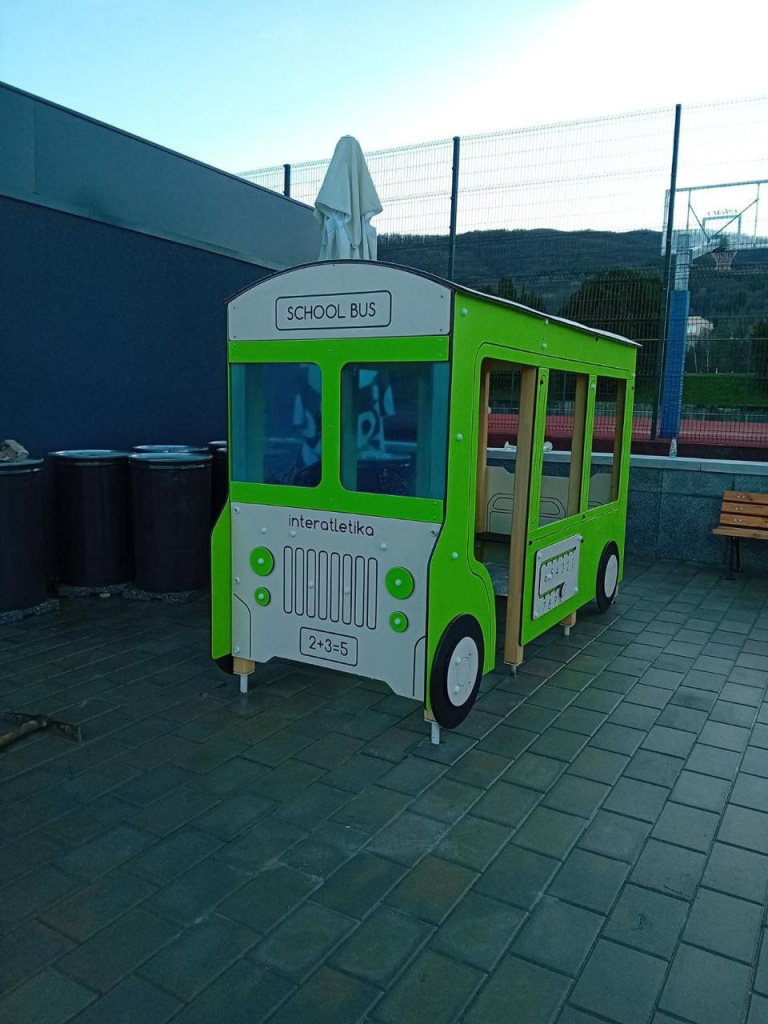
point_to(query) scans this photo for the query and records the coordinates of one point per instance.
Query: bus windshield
(394, 426)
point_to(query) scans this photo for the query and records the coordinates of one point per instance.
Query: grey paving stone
(709, 681)
(528, 718)
(107, 851)
(589, 880)
(118, 949)
(150, 786)
(550, 832)
(134, 1001)
(756, 762)
(325, 849)
(381, 946)
(91, 908)
(357, 773)
(519, 991)
(744, 827)
(506, 803)
(738, 872)
(26, 951)
(676, 716)
(723, 764)
(580, 720)
(359, 885)
(729, 737)
(737, 693)
(413, 775)
(647, 921)
(649, 696)
(707, 989)
(602, 700)
(558, 935)
(559, 744)
(173, 856)
(702, 791)
(372, 810)
(670, 869)
(446, 800)
(517, 876)
(686, 826)
(758, 1010)
(433, 990)
(303, 940)
(431, 889)
(634, 716)
(198, 891)
(452, 746)
(193, 960)
(286, 782)
(233, 815)
(330, 750)
(674, 742)
(244, 994)
(173, 811)
(264, 842)
(478, 931)
(636, 799)
(268, 898)
(36, 890)
(534, 771)
(576, 796)
(692, 697)
(329, 997)
(599, 765)
(277, 748)
(407, 838)
(313, 805)
(473, 842)
(48, 998)
(615, 836)
(617, 738)
(476, 768)
(619, 983)
(733, 714)
(750, 791)
(724, 924)
(507, 742)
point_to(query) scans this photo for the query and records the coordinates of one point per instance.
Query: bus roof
(454, 287)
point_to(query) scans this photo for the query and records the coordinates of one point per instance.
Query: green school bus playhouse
(364, 502)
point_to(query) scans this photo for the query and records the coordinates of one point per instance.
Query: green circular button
(263, 596)
(262, 561)
(398, 622)
(399, 582)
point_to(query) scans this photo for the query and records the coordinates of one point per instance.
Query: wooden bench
(742, 515)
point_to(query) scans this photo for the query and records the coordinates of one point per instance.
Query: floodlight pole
(287, 180)
(662, 369)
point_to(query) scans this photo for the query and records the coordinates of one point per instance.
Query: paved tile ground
(591, 845)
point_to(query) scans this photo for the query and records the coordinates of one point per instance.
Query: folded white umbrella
(345, 204)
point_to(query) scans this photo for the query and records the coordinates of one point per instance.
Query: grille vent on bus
(330, 586)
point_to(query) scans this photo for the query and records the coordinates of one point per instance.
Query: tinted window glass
(394, 423)
(276, 423)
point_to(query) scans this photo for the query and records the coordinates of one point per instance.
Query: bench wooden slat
(746, 497)
(737, 531)
(742, 509)
(749, 522)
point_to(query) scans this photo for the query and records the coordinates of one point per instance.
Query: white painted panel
(336, 300)
(557, 575)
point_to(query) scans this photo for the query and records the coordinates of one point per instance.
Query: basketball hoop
(723, 258)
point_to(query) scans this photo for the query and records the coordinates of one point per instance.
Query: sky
(244, 84)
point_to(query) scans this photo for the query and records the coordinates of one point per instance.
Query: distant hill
(554, 264)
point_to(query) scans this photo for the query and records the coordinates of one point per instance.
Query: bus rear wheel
(456, 671)
(607, 576)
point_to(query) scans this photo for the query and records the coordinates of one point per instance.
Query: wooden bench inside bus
(743, 514)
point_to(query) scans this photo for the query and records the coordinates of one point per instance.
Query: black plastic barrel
(22, 536)
(219, 480)
(171, 502)
(93, 514)
(156, 449)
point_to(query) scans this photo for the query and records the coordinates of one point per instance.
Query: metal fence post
(454, 205)
(287, 180)
(667, 285)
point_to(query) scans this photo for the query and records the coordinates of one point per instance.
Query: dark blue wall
(109, 337)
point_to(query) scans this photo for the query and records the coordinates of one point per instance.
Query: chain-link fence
(571, 218)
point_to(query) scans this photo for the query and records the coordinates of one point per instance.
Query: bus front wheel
(607, 576)
(456, 671)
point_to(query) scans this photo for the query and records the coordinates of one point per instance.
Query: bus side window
(563, 433)
(606, 441)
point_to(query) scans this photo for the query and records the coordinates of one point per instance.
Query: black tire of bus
(227, 664)
(604, 599)
(448, 715)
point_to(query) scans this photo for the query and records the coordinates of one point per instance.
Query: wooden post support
(567, 622)
(513, 648)
(243, 668)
